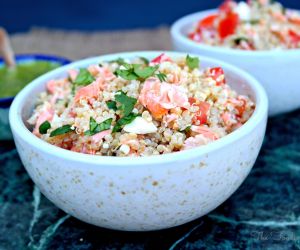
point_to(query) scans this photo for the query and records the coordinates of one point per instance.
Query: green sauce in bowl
(13, 80)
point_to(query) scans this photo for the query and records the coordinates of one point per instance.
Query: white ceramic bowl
(278, 71)
(145, 193)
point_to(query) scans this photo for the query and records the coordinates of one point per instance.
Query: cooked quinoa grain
(130, 108)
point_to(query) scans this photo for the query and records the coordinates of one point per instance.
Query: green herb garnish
(162, 77)
(112, 105)
(186, 130)
(253, 21)
(192, 62)
(96, 128)
(145, 72)
(119, 61)
(61, 130)
(84, 77)
(136, 71)
(127, 74)
(127, 103)
(238, 40)
(44, 127)
(123, 121)
(93, 124)
(145, 60)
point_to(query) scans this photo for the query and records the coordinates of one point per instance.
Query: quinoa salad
(251, 25)
(138, 107)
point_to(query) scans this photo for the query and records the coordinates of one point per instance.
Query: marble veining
(264, 213)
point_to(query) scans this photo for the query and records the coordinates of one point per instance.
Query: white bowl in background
(141, 193)
(277, 70)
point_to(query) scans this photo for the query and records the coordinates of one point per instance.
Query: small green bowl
(5, 102)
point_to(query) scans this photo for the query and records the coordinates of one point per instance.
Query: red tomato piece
(161, 58)
(241, 108)
(196, 36)
(218, 75)
(201, 114)
(295, 37)
(228, 25)
(208, 21)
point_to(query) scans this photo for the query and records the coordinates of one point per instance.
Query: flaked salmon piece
(90, 91)
(177, 78)
(167, 119)
(99, 136)
(205, 131)
(51, 86)
(73, 74)
(229, 120)
(58, 88)
(161, 58)
(159, 97)
(46, 115)
(173, 96)
(195, 141)
(54, 86)
(96, 70)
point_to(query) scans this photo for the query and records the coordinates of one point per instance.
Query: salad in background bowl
(12, 80)
(261, 37)
(255, 25)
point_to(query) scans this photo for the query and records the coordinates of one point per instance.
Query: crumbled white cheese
(243, 10)
(125, 149)
(135, 111)
(140, 126)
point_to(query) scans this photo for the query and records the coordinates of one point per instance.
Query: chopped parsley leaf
(97, 128)
(123, 121)
(84, 77)
(145, 60)
(112, 105)
(61, 130)
(127, 102)
(162, 77)
(119, 61)
(192, 62)
(136, 71)
(44, 127)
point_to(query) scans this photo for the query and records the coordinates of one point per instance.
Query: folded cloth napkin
(76, 45)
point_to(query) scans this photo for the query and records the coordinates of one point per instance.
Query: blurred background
(92, 15)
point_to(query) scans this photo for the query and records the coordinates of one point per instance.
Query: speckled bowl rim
(6, 101)
(18, 127)
(191, 19)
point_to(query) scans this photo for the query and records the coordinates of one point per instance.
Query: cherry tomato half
(200, 116)
(218, 75)
(228, 25)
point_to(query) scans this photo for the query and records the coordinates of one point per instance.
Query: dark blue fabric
(20, 15)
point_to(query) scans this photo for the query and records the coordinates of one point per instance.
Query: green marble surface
(263, 214)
